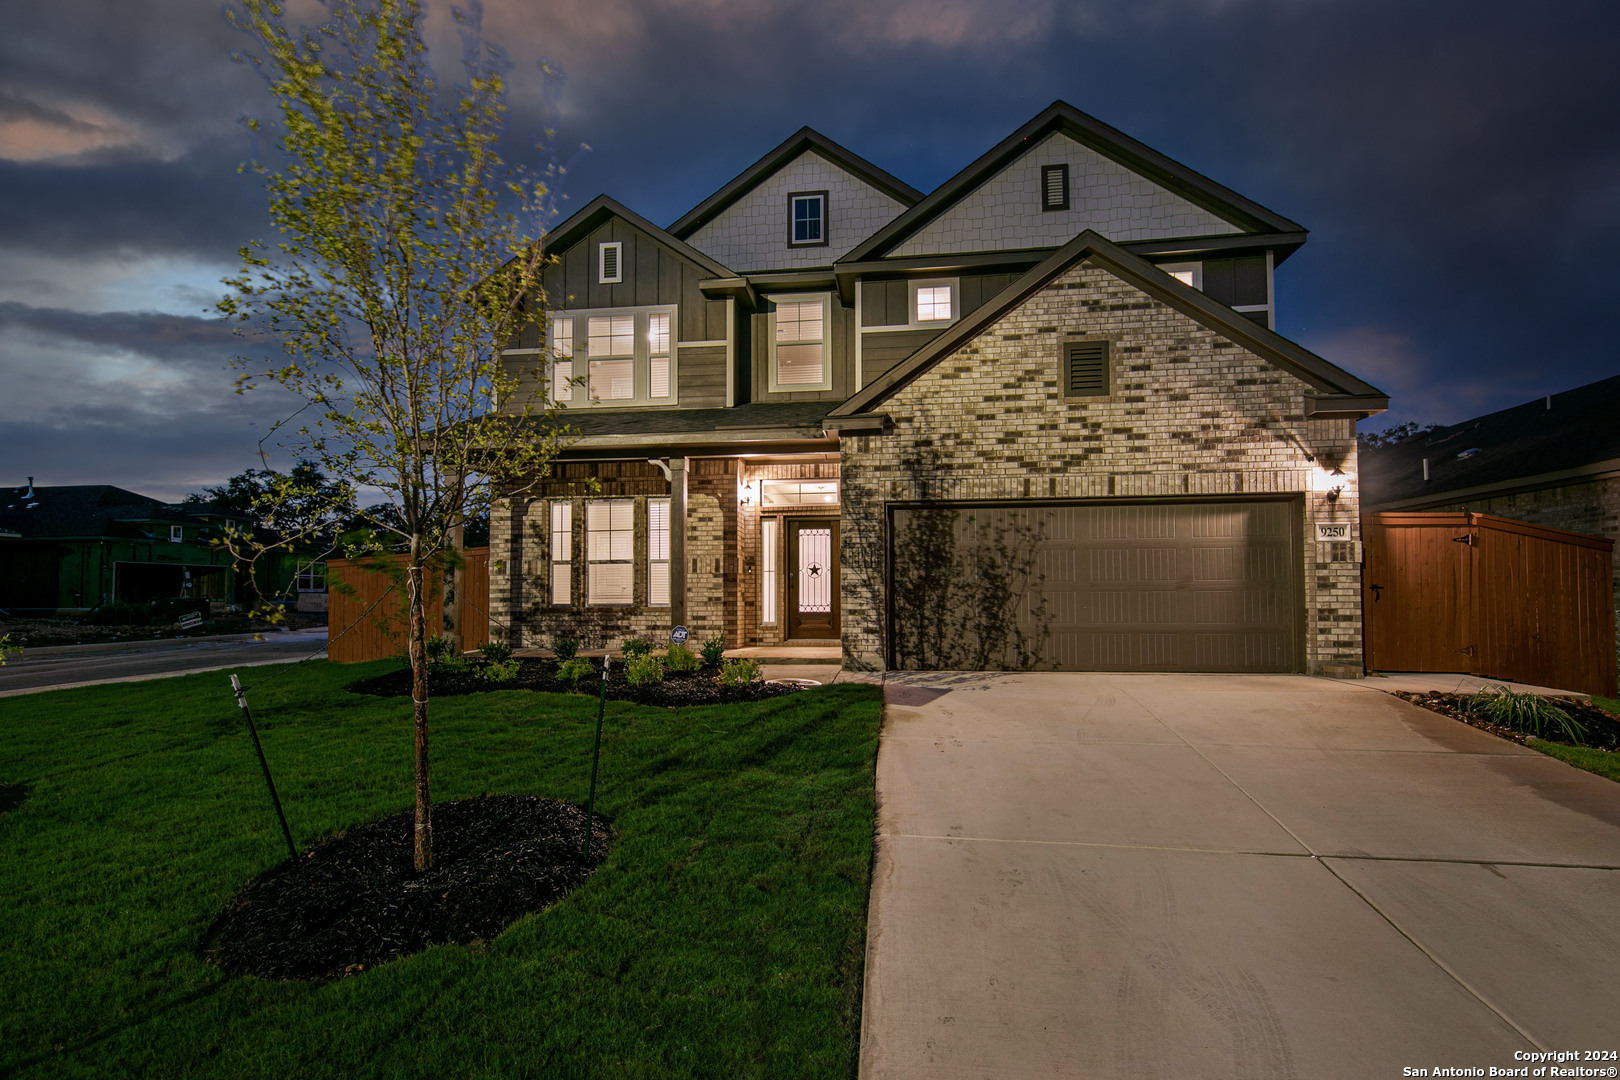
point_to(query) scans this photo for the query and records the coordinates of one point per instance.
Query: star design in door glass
(814, 569)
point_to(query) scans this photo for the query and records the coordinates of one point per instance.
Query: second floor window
(800, 346)
(621, 356)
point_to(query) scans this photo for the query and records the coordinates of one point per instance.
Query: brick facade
(1190, 414)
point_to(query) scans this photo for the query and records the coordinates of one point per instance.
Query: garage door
(1209, 586)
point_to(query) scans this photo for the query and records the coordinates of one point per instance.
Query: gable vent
(1085, 368)
(608, 257)
(1054, 187)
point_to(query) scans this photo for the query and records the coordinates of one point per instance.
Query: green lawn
(1602, 762)
(724, 936)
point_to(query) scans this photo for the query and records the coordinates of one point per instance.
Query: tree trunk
(419, 698)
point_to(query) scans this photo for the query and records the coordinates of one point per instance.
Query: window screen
(562, 553)
(658, 552)
(610, 342)
(562, 363)
(1054, 187)
(809, 219)
(799, 340)
(1085, 368)
(610, 539)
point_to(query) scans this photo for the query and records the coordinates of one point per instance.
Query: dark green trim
(1110, 142)
(1324, 376)
(599, 209)
(797, 143)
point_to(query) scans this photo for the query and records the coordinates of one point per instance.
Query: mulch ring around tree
(1602, 728)
(355, 901)
(678, 688)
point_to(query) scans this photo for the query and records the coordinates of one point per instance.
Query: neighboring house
(1036, 418)
(1553, 461)
(67, 550)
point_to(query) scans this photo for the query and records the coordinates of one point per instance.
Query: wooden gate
(1487, 596)
(365, 621)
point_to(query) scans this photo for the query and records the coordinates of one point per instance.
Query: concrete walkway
(1227, 876)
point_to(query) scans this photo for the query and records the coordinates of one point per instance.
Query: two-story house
(1036, 418)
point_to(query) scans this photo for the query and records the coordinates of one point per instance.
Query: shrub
(633, 647)
(739, 671)
(1525, 713)
(644, 670)
(496, 652)
(438, 647)
(501, 671)
(564, 648)
(573, 670)
(714, 650)
(453, 665)
(681, 658)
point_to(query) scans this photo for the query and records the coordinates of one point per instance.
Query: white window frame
(602, 276)
(560, 522)
(825, 300)
(611, 542)
(770, 531)
(560, 356)
(177, 534)
(315, 574)
(640, 355)
(658, 527)
(1195, 269)
(794, 198)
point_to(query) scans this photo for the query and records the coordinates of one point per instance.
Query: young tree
(408, 258)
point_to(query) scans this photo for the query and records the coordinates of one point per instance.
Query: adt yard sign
(678, 635)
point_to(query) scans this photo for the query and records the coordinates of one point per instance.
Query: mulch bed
(1602, 728)
(677, 689)
(356, 901)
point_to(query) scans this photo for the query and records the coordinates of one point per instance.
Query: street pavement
(1227, 876)
(61, 666)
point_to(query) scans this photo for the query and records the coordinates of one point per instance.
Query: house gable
(1005, 210)
(746, 223)
(1329, 391)
(1117, 186)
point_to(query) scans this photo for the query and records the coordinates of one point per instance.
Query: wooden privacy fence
(353, 587)
(1487, 596)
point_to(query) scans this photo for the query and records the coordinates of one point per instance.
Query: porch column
(677, 541)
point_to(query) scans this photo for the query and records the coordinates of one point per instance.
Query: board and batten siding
(888, 303)
(840, 343)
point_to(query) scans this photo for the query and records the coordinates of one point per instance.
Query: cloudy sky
(1458, 164)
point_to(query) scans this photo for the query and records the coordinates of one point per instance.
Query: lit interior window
(798, 344)
(658, 355)
(798, 493)
(562, 364)
(610, 343)
(933, 303)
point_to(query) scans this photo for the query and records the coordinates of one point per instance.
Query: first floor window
(312, 577)
(767, 579)
(610, 534)
(658, 552)
(801, 358)
(177, 533)
(562, 553)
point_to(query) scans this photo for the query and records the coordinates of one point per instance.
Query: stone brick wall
(752, 233)
(520, 575)
(1592, 508)
(1190, 413)
(1005, 211)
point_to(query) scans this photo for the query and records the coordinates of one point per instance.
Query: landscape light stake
(241, 701)
(596, 754)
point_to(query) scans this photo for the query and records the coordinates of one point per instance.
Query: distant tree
(303, 502)
(1399, 433)
(409, 257)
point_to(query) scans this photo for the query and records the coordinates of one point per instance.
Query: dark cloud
(1458, 163)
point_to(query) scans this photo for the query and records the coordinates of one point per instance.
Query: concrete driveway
(1227, 876)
